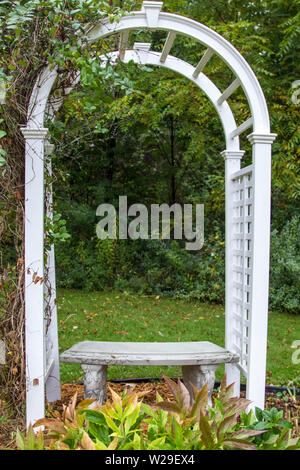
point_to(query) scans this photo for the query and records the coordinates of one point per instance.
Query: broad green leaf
(95, 417)
(30, 438)
(154, 445)
(149, 410)
(136, 442)
(131, 419)
(178, 434)
(101, 433)
(112, 425)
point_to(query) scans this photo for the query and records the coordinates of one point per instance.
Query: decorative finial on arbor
(152, 10)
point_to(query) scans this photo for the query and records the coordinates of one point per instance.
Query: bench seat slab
(113, 353)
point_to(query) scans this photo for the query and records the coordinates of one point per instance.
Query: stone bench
(199, 361)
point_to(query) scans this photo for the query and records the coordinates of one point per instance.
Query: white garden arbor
(247, 203)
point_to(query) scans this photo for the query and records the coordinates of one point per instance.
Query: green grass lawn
(114, 316)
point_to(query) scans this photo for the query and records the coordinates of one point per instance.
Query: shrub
(285, 267)
(126, 423)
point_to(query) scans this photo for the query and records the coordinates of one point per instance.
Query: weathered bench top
(117, 353)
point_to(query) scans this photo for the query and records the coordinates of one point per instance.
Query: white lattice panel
(242, 230)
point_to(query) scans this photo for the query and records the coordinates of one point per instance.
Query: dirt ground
(290, 407)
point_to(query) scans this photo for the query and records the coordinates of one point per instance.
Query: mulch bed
(291, 408)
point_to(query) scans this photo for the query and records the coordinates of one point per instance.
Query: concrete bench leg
(95, 382)
(199, 376)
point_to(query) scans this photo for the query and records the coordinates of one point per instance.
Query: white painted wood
(262, 145)
(52, 376)
(123, 44)
(181, 25)
(241, 369)
(140, 46)
(168, 46)
(206, 36)
(34, 266)
(244, 171)
(152, 11)
(205, 58)
(53, 388)
(229, 91)
(242, 128)
(48, 370)
(39, 97)
(232, 164)
(141, 55)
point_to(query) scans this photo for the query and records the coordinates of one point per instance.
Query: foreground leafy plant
(190, 424)
(125, 423)
(31, 441)
(66, 431)
(116, 424)
(277, 435)
(89, 426)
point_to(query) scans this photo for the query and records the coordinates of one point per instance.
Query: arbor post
(53, 389)
(232, 164)
(34, 272)
(262, 154)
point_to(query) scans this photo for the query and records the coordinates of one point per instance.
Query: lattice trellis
(242, 241)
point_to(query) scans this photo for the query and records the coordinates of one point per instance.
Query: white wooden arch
(247, 203)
